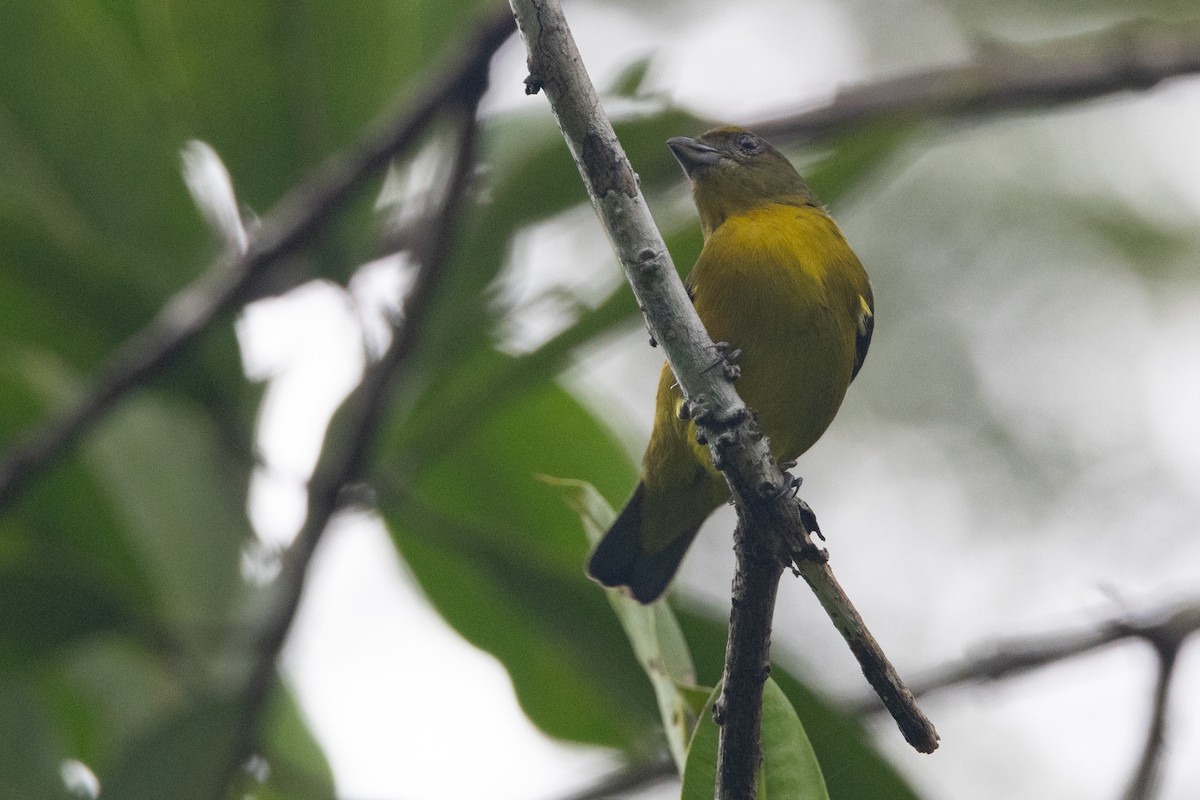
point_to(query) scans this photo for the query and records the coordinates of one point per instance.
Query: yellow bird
(776, 280)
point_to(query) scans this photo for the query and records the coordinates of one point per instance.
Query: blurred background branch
(627, 779)
(1164, 629)
(354, 428)
(1005, 77)
(230, 281)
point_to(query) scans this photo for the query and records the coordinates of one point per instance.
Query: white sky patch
(309, 344)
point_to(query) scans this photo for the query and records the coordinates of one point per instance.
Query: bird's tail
(622, 558)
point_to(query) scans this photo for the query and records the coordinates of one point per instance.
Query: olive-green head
(733, 171)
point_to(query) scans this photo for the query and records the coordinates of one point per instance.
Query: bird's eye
(747, 143)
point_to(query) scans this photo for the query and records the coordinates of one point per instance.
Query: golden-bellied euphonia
(776, 280)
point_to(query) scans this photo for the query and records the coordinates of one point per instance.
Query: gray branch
(1003, 78)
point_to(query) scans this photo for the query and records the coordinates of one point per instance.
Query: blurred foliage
(125, 619)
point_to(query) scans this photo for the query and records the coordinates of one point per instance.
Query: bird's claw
(809, 518)
(791, 483)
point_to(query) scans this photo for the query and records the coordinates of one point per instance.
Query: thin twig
(290, 225)
(890, 688)
(1145, 777)
(1003, 78)
(353, 430)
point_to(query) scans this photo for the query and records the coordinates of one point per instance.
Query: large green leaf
(142, 535)
(106, 691)
(30, 747)
(790, 767)
(67, 568)
(502, 560)
(185, 517)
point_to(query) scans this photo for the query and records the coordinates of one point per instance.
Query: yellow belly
(780, 284)
(773, 284)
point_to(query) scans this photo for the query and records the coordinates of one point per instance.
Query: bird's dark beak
(692, 155)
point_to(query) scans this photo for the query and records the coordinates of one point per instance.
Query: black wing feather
(866, 327)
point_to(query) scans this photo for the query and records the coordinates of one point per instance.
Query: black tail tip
(621, 561)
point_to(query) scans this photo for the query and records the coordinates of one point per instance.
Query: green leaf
(628, 82)
(652, 629)
(106, 692)
(31, 750)
(789, 766)
(186, 755)
(184, 516)
(67, 568)
(48, 603)
(700, 772)
(571, 671)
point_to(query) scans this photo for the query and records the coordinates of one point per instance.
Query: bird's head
(733, 171)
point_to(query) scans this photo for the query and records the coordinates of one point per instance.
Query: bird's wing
(866, 326)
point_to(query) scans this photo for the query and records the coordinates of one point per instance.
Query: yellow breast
(781, 283)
